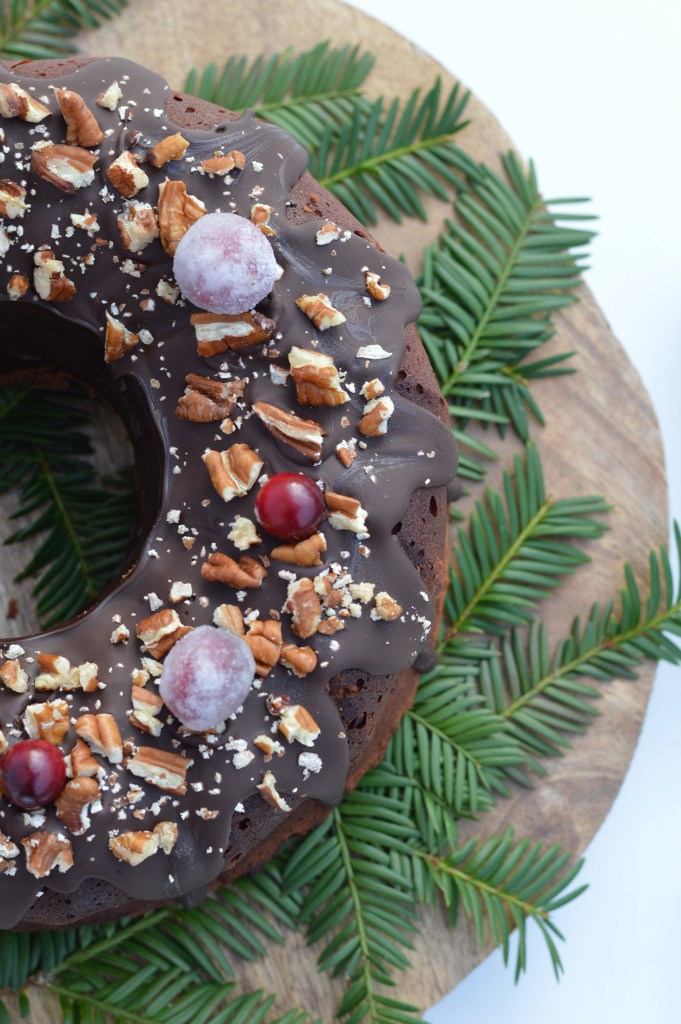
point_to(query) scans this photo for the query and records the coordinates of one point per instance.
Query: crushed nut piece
(48, 721)
(305, 607)
(118, 339)
(316, 378)
(320, 311)
(49, 279)
(13, 676)
(161, 631)
(73, 803)
(80, 761)
(376, 290)
(111, 97)
(16, 102)
(377, 412)
(229, 616)
(269, 747)
(345, 513)
(82, 128)
(12, 198)
(177, 211)
(246, 574)
(220, 332)
(328, 232)
(304, 552)
(386, 608)
(260, 215)
(102, 734)
(306, 436)
(126, 176)
(221, 164)
(233, 472)
(243, 533)
(296, 723)
(172, 147)
(18, 286)
(67, 167)
(46, 851)
(160, 768)
(300, 660)
(268, 788)
(138, 226)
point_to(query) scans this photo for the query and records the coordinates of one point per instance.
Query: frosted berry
(206, 677)
(225, 264)
(32, 774)
(290, 506)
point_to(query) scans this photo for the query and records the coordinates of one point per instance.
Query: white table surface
(591, 89)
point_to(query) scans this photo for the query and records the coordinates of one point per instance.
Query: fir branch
(516, 551)
(303, 93)
(385, 157)
(40, 29)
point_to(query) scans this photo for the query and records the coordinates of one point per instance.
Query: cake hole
(396, 528)
(433, 505)
(359, 722)
(244, 824)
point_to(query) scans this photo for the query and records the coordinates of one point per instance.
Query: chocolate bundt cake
(110, 802)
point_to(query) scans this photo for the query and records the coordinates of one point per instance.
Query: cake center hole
(68, 502)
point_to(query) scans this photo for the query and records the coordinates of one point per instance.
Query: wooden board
(601, 437)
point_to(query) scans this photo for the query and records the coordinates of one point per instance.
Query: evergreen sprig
(40, 29)
(84, 523)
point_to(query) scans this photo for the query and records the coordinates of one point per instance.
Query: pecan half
(12, 197)
(126, 176)
(177, 211)
(320, 311)
(48, 721)
(221, 164)
(73, 803)
(304, 552)
(345, 513)
(45, 852)
(316, 378)
(67, 167)
(49, 279)
(233, 472)
(172, 147)
(82, 128)
(268, 789)
(16, 102)
(160, 768)
(138, 226)
(13, 676)
(220, 332)
(376, 290)
(306, 436)
(102, 734)
(302, 601)
(118, 339)
(246, 574)
(161, 631)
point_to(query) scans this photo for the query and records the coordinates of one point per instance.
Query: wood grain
(601, 437)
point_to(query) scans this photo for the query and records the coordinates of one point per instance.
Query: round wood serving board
(601, 438)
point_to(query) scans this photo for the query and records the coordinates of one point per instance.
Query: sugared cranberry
(32, 773)
(290, 506)
(206, 677)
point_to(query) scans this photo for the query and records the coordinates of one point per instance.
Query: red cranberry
(32, 774)
(290, 506)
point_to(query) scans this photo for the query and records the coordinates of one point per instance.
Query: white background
(592, 91)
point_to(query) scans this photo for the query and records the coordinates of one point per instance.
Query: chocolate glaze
(418, 451)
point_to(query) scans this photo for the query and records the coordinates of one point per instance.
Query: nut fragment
(18, 286)
(161, 631)
(386, 608)
(58, 674)
(268, 788)
(73, 803)
(306, 436)
(260, 216)
(12, 197)
(86, 222)
(233, 472)
(118, 339)
(48, 721)
(177, 211)
(220, 332)
(320, 311)
(49, 279)
(229, 616)
(46, 851)
(16, 102)
(147, 707)
(160, 768)
(8, 850)
(372, 389)
(345, 513)
(296, 723)
(126, 176)
(246, 574)
(377, 412)
(102, 734)
(80, 761)
(167, 833)
(346, 453)
(376, 290)
(304, 552)
(82, 128)
(134, 847)
(303, 603)
(328, 232)
(221, 164)
(265, 653)
(172, 147)
(243, 534)
(138, 226)
(111, 97)
(67, 167)
(300, 660)
(13, 676)
(316, 378)
(269, 747)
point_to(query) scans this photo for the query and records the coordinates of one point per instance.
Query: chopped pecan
(126, 176)
(260, 215)
(170, 293)
(304, 552)
(221, 164)
(218, 390)
(134, 847)
(48, 721)
(320, 311)
(177, 211)
(16, 102)
(246, 574)
(372, 389)
(345, 513)
(172, 147)
(73, 803)
(296, 723)
(46, 851)
(377, 412)
(118, 339)
(12, 198)
(372, 352)
(138, 226)
(102, 734)
(58, 674)
(160, 768)
(18, 286)
(13, 676)
(167, 833)
(300, 660)
(316, 378)
(328, 232)
(220, 332)
(49, 279)
(3, 742)
(229, 616)
(67, 167)
(345, 453)
(198, 408)
(233, 472)
(243, 534)
(303, 603)
(376, 290)
(81, 762)
(161, 631)
(147, 707)
(86, 222)
(268, 788)
(386, 608)
(110, 97)
(269, 747)
(327, 627)
(306, 436)
(82, 128)
(7, 848)
(265, 653)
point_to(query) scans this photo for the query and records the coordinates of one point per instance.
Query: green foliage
(40, 29)
(301, 92)
(84, 523)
